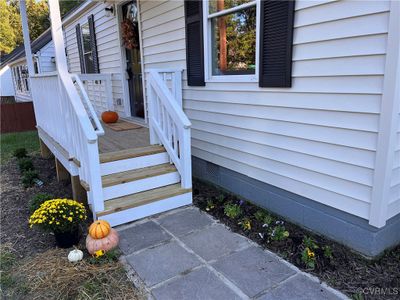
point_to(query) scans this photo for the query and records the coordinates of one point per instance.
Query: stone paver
(300, 287)
(142, 236)
(162, 262)
(184, 222)
(253, 270)
(214, 242)
(185, 254)
(199, 284)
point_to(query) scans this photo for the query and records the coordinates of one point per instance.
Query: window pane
(86, 38)
(218, 5)
(234, 43)
(89, 62)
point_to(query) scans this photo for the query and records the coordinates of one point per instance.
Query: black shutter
(93, 44)
(194, 42)
(276, 40)
(79, 41)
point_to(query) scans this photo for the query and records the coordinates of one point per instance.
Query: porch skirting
(337, 225)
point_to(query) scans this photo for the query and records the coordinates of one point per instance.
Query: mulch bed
(14, 206)
(348, 272)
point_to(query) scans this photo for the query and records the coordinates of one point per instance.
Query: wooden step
(133, 175)
(130, 153)
(142, 198)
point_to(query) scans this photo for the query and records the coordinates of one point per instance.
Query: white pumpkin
(75, 255)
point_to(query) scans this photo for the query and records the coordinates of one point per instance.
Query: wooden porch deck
(121, 140)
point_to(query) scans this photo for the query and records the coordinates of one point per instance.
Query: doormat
(122, 126)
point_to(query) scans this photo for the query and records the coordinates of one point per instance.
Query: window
(231, 37)
(88, 62)
(21, 79)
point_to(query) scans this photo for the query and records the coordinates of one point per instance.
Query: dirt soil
(348, 272)
(14, 206)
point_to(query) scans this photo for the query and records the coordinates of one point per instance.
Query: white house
(15, 62)
(293, 105)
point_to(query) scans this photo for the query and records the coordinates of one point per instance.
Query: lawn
(11, 141)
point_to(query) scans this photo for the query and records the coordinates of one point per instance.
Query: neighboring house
(44, 61)
(293, 105)
(6, 83)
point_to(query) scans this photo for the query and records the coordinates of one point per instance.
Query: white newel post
(27, 39)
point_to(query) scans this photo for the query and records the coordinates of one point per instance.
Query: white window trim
(207, 45)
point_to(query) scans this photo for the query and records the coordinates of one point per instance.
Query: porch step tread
(137, 174)
(142, 198)
(130, 153)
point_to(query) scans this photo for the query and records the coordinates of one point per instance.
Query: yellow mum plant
(58, 215)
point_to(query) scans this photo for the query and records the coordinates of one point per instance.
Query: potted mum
(63, 217)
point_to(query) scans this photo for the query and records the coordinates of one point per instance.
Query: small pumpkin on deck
(99, 229)
(106, 243)
(109, 117)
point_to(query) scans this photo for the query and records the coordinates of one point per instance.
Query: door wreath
(129, 34)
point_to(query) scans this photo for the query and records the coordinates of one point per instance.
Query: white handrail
(169, 125)
(99, 128)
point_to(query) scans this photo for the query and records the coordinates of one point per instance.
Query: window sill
(233, 78)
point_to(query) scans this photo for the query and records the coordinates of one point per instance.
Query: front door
(131, 40)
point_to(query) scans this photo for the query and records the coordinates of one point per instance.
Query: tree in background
(38, 20)
(7, 35)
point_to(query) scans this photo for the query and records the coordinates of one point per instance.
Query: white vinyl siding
(108, 49)
(394, 201)
(317, 139)
(47, 58)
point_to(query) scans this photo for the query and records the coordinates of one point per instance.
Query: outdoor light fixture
(109, 11)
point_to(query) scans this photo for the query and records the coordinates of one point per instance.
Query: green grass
(11, 141)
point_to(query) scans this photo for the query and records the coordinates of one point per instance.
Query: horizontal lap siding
(108, 49)
(318, 138)
(46, 57)
(394, 201)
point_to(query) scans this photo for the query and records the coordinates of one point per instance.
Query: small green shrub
(20, 153)
(221, 198)
(279, 233)
(232, 210)
(308, 256)
(245, 224)
(263, 217)
(38, 199)
(25, 164)
(327, 252)
(28, 178)
(210, 205)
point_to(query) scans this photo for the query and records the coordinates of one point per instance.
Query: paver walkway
(186, 254)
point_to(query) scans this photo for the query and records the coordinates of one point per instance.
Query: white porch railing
(99, 90)
(168, 123)
(62, 115)
(88, 104)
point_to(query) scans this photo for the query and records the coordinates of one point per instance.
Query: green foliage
(28, 178)
(308, 242)
(210, 205)
(12, 141)
(25, 164)
(232, 210)
(263, 217)
(308, 258)
(37, 200)
(20, 153)
(108, 257)
(245, 224)
(279, 233)
(221, 198)
(7, 34)
(327, 252)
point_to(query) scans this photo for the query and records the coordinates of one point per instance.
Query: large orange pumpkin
(109, 117)
(108, 243)
(99, 229)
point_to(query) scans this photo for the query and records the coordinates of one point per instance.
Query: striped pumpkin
(99, 229)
